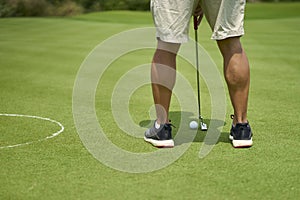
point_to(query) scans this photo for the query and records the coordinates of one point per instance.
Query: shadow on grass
(176, 116)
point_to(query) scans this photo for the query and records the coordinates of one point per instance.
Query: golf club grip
(195, 23)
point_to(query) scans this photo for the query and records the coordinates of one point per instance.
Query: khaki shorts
(172, 18)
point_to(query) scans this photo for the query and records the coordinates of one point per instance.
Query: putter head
(203, 126)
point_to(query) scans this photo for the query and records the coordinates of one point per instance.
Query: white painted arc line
(35, 117)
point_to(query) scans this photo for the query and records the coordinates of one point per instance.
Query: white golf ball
(193, 125)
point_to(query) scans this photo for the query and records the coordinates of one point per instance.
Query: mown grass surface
(39, 60)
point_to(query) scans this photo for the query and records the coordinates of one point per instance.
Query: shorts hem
(172, 40)
(225, 35)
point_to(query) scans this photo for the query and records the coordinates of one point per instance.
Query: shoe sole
(160, 143)
(241, 143)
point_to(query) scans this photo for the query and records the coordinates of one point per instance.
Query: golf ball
(193, 125)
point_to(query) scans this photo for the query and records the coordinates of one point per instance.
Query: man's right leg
(163, 77)
(171, 19)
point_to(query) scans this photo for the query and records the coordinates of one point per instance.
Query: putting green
(39, 61)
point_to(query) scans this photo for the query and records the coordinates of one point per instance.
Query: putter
(203, 126)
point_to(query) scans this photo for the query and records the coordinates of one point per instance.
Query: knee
(229, 46)
(171, 48)
(236, 71)
(236, 66)
(163, 75)
(233, 74)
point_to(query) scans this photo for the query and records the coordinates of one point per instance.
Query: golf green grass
(39, 61)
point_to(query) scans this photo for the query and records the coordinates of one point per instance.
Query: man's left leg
(237, 75)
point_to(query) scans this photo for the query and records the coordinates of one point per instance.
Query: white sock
(157, 126)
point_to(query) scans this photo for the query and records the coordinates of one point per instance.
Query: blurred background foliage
(18, 8)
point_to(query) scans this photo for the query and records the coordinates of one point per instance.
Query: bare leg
(163, 76)
(237, 75)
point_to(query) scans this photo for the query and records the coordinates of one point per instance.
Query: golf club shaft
(197, 65)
